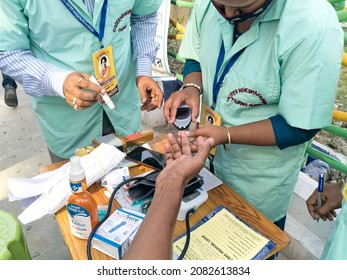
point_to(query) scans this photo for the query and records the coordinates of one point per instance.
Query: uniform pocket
(245, 91)
(243, 99)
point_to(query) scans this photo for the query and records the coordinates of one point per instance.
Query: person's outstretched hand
(331, 200)
(181, 164)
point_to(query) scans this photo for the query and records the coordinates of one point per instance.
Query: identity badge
(344, 192)
(104, 69)
(210, 117)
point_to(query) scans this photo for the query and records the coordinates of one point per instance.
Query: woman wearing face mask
(269, 69)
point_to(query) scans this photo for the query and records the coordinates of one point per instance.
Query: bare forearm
(154, 238)
(257, 133)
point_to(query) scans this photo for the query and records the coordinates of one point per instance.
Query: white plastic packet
(53, 188)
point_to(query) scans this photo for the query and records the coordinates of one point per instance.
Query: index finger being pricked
(186, 150)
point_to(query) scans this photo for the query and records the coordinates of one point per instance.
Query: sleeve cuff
(54, 81)
(144, 67)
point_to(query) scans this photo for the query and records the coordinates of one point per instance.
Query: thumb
(143, 94)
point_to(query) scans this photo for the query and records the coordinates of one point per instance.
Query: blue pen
(320, 190)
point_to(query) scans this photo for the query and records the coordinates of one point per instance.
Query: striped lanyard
(81, 19)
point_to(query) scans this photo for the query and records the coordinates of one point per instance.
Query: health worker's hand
(189, 96)
(80, 93)
(331, 200)
(217, 133)
(150, 93)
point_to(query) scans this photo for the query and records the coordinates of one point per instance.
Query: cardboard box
(113, 236)
(123, 143)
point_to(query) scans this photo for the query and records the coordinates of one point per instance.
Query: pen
(320, 190)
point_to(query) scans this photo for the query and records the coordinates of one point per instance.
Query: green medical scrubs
(290, 66)
(54, 35)
(336, 246)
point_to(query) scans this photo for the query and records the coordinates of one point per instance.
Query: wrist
(228, 141)
(193, 85)
(171, 188)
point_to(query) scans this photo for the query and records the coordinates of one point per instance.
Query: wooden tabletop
(221, 195)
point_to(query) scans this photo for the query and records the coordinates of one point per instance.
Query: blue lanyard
(78, 16)
(217, 83)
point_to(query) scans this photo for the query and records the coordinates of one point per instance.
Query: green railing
(182, 4)
(179, 35)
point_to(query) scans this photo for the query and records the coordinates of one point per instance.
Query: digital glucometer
(191, 200)
(183, 117)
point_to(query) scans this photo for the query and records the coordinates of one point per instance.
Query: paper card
(104, 69)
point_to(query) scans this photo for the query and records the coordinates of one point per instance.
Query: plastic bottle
(81, 206)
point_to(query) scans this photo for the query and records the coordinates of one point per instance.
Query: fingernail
(187, 132)
(211, 141)
(103, 91)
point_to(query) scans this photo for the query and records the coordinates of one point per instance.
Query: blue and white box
(113, 236)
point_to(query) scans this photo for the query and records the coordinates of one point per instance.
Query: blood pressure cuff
(145, 187)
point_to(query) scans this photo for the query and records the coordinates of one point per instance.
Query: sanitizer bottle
(81, 206)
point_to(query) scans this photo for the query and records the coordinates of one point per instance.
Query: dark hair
(103, 59)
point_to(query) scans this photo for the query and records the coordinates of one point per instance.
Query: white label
(80, 222)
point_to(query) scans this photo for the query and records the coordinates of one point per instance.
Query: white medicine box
(113, 236)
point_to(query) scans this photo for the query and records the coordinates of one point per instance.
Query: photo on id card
(104, 69)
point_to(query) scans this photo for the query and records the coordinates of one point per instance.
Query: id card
(210, 117)
(344, 192)
(104, 69)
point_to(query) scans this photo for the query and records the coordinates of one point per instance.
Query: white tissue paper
(53, 188)
(113, 178)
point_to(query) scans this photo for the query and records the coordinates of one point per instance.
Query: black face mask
(243, 17)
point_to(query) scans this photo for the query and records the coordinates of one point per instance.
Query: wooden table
(222, 195)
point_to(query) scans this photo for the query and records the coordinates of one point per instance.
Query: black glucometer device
(183, 117)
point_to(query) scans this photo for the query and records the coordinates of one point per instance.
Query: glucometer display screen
(190, 196)
(183, 117)
(147, 157)
(182, 113)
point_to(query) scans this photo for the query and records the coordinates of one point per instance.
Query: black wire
(107, 214)
(186, 244)
(108, 211)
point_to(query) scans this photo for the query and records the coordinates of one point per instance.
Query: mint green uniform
(54, 35)
(290, 66)
(336, 246)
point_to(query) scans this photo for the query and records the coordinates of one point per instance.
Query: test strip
(104, 96)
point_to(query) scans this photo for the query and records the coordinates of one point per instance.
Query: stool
(13, 245)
